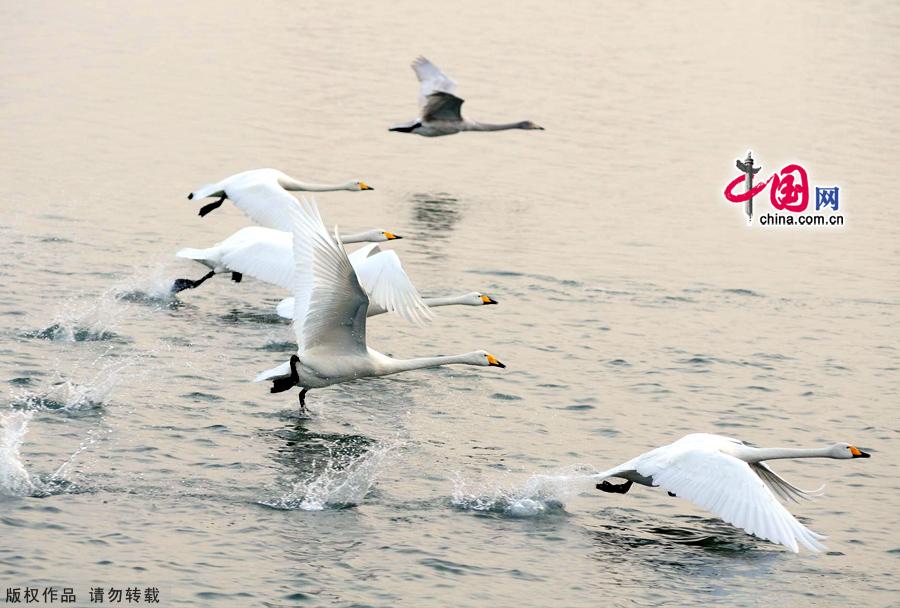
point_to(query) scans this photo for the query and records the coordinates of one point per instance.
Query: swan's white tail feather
(207, 190)
(282, 371)
(193, 254)
(285, 308)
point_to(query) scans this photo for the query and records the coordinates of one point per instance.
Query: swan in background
(731, 480)
(330, 309)
(285, 308)
(264, 195)
(263, 253)
(439, 107)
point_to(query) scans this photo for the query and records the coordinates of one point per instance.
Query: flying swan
(330, 318)
(439, 108)
(731, 480)
(263, 194)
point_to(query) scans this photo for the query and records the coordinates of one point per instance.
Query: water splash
(84, 319)
(89, 318)
(536, 496)
(14, 479)
(151, 286)
(90, 394)
(341, 481)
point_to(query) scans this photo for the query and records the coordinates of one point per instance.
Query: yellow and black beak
(493, 362)
(488, 300)
(857, 453)
(365, 186)
(391, 236)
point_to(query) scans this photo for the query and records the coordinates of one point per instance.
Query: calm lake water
(636, 305)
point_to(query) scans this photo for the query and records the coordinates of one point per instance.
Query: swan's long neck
(359, 237)
(289, 183)
(486, 126)
(749, 454)
(375, 309)
(446, 300)
(405, 365)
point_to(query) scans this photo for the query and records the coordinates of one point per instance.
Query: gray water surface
(635, 303)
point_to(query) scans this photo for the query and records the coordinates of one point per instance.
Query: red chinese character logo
(790, 189)
(786, 194)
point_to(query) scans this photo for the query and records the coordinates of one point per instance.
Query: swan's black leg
(621, 488)
(302, 398)
(211, 206)
(182, 284)
(672, 494)
(236, 277)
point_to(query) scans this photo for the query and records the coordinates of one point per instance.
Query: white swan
(267, 255)
(263, 194)
(731, 480)
(263, 253)
(439, 108)
(330, 318)
(285, 308)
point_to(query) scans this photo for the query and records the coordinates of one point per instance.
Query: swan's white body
(730, 479)
(330, 309)
(440, 109)
(267, 255)
(265, 195)
(285, 308)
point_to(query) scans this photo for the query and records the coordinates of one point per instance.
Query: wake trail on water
(538, 495)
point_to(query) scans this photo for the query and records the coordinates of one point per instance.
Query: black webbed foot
(672, 494)
(236, 277)
(212, 206)
(182, 284)
(621, 488)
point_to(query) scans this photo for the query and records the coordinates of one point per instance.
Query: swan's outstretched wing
(267, 259)
(388, 286)
(329, 304)
(431, 80)
(442, 106)
(729, 488)
(357, 257)
(385, 282)
(264, 201)
(782, 487)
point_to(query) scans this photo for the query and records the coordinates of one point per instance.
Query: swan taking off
(439, 107)
(263, 194)
(262, 253)
(330, 309)
(731, 480)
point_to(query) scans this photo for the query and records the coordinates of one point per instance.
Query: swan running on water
(731, 480)
(330, 308)
(262, 253)
(263, 194)
(439, 108)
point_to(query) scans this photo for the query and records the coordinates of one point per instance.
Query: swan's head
(482, 357)
(355, 185)
(476, 298)
(530, 126)
(845, 450)
(377, 236)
